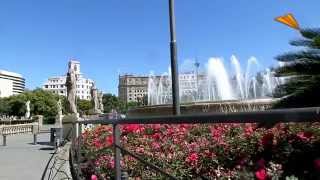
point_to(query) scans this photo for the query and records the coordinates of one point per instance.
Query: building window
(45, 86)
(61, 86)
(61, 92)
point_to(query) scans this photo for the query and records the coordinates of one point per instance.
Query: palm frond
(301, 67)
(301, 98)
(302, 42)
(310, 33)
(312, 54)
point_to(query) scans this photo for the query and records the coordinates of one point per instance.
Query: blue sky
(38, 37)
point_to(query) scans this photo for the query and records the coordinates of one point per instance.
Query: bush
(49, 120)
(235, 151)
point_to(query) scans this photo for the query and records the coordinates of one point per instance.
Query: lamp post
(197, 65)
(174, 65)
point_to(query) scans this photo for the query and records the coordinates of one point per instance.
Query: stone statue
(59, 105)
(71, 90)
(100, 97)
(59, 115)
(27, 115)
(95, 99)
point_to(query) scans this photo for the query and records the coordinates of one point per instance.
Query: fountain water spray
(215, 84)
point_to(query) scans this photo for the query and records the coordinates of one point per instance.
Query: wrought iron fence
(297, 115)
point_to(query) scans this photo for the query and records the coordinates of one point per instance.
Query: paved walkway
(20, 159)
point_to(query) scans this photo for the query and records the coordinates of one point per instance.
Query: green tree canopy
(301, 71)
(41, 103)
(84, 106)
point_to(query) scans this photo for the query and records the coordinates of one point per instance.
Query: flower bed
(215, 151)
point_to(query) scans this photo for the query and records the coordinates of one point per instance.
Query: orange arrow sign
(288, 20)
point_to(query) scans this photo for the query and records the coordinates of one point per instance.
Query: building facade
(11, 83)
(132, 88)
(57, 84)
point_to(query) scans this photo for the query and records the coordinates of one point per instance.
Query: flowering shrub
(209, 151)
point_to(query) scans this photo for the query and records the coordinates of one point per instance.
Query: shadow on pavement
(46, 149)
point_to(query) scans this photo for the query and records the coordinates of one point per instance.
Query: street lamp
(197, 65)
(174, 65)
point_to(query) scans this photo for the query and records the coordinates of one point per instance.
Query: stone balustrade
(6, 130)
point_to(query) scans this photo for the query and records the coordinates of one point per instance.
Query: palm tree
(301, 71)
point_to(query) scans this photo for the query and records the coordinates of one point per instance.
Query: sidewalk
(20, 159)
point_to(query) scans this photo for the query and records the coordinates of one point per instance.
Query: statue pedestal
(58, 122)
(70, 130)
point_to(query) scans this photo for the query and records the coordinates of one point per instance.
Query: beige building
(132, 88)
(57, 84)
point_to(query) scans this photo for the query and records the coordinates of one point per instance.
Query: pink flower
(192, 158)
(156, 136)
(109, 140)
(261, 174)
(156, 145)
(316, 164)
(111, 164)
(248, 130)
(97, 144)
(94, 177)
(304, 136)
(131, 128)
(139, 150)
(156, 127)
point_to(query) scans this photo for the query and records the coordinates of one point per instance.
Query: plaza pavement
(21, 160)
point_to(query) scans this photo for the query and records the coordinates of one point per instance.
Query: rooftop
(8, 73)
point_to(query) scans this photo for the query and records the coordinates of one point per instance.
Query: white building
(57, 84)
(11, 83)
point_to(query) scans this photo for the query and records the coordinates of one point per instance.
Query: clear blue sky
(38, 37)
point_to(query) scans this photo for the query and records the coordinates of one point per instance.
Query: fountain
(214, 90)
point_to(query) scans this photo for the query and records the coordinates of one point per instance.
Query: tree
(4, 106)
(132, 104)
(302, 72)
(41, 103)
(84, 106)
(110, 102)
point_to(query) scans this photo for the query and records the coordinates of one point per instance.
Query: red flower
(109, 140)
(316, 164)
(267, 140)
(261, 174)
(304, 136)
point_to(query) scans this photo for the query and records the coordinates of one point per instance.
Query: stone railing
(19, 129)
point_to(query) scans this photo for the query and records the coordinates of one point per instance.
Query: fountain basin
(204, 107)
